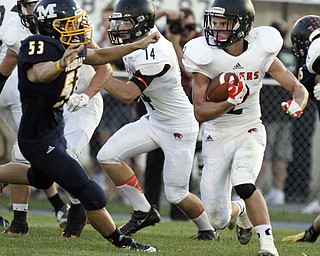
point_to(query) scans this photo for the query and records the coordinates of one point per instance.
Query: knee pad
(174, 194)
(245, 190)
(91, 196)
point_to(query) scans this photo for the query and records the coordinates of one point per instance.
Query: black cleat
(207, 235)
(129, 243)
(140, 220)
(302, 237)
(17, 228)
(76, 220)
(244, 234)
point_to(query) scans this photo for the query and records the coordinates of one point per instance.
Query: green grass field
(169, 237)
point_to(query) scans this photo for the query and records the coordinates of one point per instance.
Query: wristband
(58, 66)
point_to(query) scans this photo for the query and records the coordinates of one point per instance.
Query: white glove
(77, 101)
(291, 108)
(316, 91)
(236, 90)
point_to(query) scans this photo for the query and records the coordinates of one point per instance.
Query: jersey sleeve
(313, 57)
(270, 42)
(37, 48)
(196, 54)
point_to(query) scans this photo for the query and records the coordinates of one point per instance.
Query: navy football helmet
(131, 20)
(303, 32)
(63, 20)
(240, 13)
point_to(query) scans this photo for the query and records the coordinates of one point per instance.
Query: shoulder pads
(268, 38)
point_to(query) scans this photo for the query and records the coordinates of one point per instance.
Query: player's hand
(236, 90)
(70, 54)
(316, 91)
(77, 101)
(291, 108)
(144, 42)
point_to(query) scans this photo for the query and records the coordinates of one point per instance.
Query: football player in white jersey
(305, 37)
(169, 123)
(234, 137)
(79, 126)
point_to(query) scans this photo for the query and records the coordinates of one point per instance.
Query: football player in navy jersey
(47, 69)
(234, 137)
(305, 38)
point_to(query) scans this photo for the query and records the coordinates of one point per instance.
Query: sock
(202, 221)
(311, 234)
(20, 207)
(20, 216)
(132, 191)
(115, 238)
(264, 231)
(56, 202)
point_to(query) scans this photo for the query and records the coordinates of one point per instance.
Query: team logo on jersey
(47, 12)
(209, 138)
(238, 66)
(178, 136)
(50, 149)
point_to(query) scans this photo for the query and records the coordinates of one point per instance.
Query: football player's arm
(110, 54)
(100, 78)
(7, 65)
(284, 77)
(44, 72)
(123, 91)
(203, 109)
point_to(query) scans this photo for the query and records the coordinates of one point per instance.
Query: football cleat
(140, 220)
(302, 237)
(207, 235)
(244, 234)
(76, 221)
(3, 222)
(17, 228)
(62, 215)
(129, 243)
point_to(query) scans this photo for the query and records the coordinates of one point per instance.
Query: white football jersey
(165, 99)
(264, 43)
(313, 54)
(8, 10)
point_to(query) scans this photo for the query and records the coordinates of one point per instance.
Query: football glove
(291, 108)
(316, 91)
(77, 101)
(236, 90)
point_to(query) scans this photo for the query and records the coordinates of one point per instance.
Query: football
(217, 89)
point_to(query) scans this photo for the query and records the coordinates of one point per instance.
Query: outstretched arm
(106, 55)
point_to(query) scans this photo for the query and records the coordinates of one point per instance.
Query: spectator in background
(180, 28)
(278, 127)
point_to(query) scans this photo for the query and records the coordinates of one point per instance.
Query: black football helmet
(131, 20)
(240, 12)
(25, 11)
(303, 32)
(63, 20)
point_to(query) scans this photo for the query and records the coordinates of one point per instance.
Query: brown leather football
(217, 89)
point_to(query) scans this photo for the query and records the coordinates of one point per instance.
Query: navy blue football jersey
(307, 79)
(42, 103)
